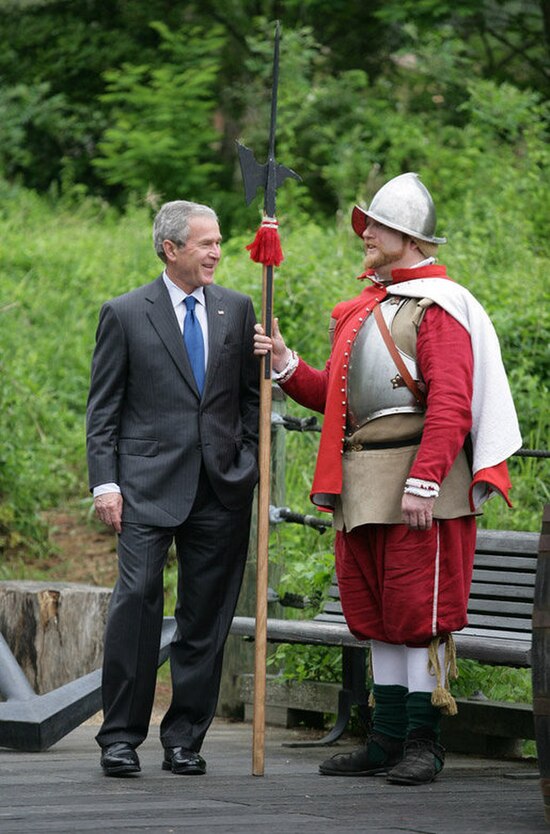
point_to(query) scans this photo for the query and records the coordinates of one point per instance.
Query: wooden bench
(499, 631)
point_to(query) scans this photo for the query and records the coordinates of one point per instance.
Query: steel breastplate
(375, 387)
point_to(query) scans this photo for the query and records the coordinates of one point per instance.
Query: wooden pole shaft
(262, 561)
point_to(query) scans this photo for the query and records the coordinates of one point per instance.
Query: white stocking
(418, 677)
(389, 663)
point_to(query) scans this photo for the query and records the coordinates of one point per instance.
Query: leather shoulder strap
(411, 384)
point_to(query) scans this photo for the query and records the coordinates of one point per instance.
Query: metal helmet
(404, 204)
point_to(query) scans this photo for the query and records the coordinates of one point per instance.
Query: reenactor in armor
(418, 424)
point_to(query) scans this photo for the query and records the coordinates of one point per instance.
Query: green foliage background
(109, 108)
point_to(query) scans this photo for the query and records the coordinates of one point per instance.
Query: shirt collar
(177, 295)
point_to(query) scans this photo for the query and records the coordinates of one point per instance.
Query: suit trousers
(211, 548)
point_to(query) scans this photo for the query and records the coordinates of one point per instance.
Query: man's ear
(412, 245)
(170, 249)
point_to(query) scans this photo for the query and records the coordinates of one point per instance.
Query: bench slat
(507, 541)
(477, 631)
(480, 589)
(505, 578)
(332, 607)
(495, 650)
(499, 561)
(500, 606)
(299, 631)
(516, 624)
(335, 617)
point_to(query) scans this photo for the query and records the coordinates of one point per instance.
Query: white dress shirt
(177, 297)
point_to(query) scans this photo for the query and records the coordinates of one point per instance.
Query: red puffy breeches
(406, 586)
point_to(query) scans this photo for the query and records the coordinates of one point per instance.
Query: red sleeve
(445, 360)
(308, 386)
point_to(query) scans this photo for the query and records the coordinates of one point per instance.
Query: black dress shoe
(119, 759)
(183, 762)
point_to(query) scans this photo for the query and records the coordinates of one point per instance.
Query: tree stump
(54, 629)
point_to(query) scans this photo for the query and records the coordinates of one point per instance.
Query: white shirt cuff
(103, 489)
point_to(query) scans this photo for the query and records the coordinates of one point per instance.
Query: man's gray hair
(172, 222)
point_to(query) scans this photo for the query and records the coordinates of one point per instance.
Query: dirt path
(86, 550)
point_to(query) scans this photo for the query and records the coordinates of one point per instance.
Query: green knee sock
(421, 713)
(390, 712)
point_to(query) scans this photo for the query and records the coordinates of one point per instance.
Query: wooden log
(541, 660)
(54, 629)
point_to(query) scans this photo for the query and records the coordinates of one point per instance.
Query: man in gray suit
(172, 457)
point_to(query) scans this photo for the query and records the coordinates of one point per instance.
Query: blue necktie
(194, 342)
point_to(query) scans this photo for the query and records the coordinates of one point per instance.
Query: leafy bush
(57, 266)
(162, 133)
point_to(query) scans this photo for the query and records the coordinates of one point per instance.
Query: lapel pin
(221, 312)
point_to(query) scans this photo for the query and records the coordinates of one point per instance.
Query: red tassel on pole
(266, 247)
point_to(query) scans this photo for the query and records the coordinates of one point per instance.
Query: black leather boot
(423, 759)
(378, 755)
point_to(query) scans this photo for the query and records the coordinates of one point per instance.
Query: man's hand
(108, 507)
(276, 344)
(417, 512)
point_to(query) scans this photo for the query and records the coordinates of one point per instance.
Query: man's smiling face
(193, 264)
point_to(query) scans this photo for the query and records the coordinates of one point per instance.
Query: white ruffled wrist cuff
(424, 489)
(288, 370)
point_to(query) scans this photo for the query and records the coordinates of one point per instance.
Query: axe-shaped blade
(257, 176)
(270, 175)
(254, 175)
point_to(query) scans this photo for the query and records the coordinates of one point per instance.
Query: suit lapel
(217, 316)
(163, 318)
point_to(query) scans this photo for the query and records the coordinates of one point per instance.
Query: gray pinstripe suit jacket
(147, 428)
